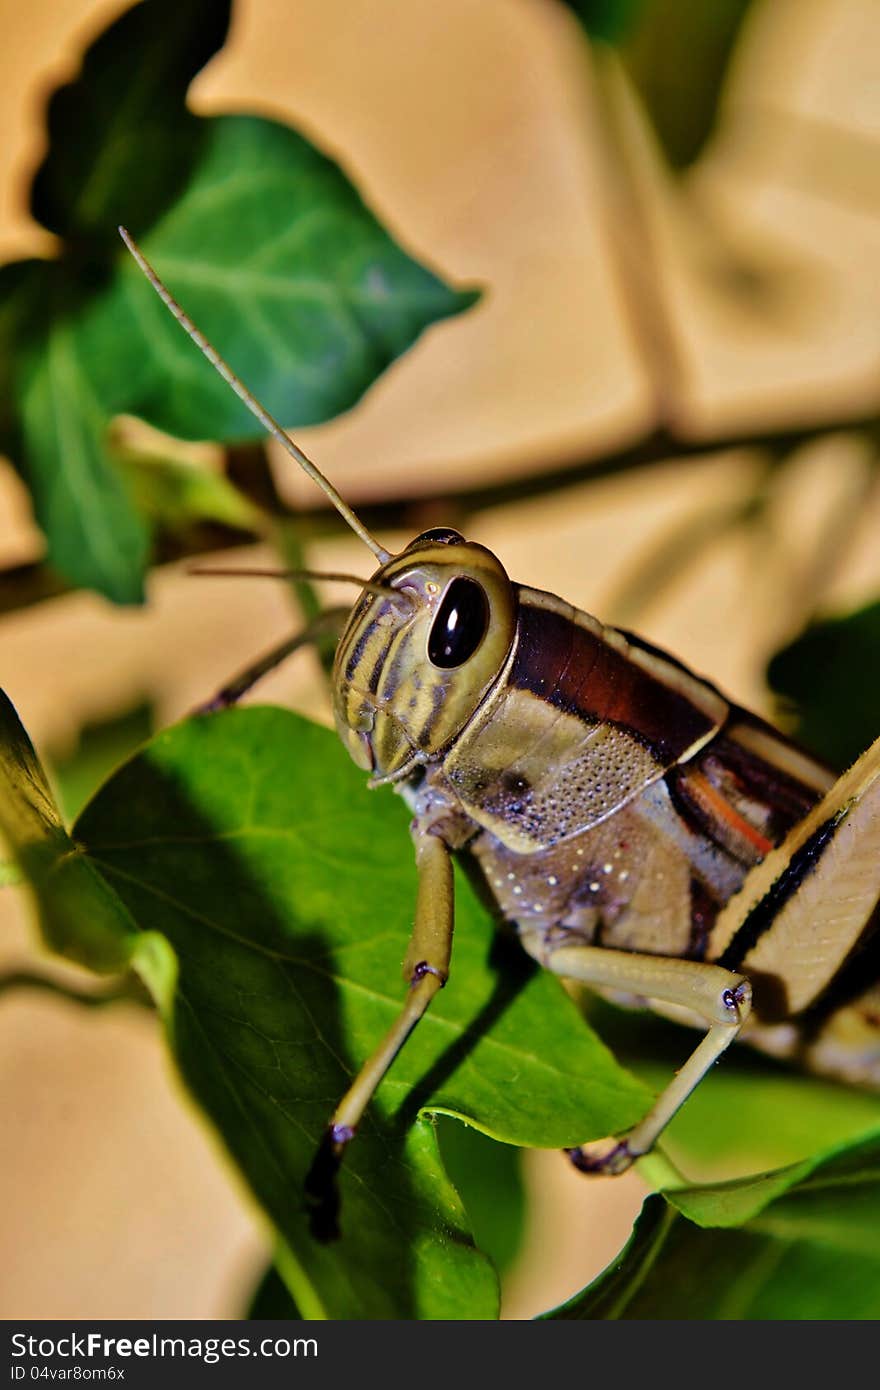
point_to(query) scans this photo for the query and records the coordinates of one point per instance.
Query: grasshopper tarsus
(321, 1187)
(609, 1164)
(212, 706)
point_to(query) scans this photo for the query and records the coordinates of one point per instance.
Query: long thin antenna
(253, 405)
(331, 577)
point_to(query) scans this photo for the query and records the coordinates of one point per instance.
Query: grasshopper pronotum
(644, 835)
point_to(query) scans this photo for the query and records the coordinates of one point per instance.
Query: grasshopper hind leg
(839, 1035)
(719, 998)
(806, 929)
(803, 930)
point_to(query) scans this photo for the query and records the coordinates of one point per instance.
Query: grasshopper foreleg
(426, 970)
(720, 997)
(330, 621)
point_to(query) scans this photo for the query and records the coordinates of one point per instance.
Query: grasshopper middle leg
(719, 996)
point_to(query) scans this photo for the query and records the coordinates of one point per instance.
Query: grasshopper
(644, 835)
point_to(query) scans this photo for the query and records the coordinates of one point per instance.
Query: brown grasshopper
(644, 835)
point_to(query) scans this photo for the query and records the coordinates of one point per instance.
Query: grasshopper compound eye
(461, 623)
(439, 535)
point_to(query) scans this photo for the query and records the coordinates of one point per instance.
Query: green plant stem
(127, 990)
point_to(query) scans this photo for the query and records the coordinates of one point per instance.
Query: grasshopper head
(415, 661)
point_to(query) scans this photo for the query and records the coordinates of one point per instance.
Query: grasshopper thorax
(422, 648)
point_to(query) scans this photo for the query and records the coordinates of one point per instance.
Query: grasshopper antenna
(266, 420)
(332, 577)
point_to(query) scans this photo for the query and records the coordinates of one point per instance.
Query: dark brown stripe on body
(762, 916)
(575, 671)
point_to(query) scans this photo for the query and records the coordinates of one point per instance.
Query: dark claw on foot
(610, 1163)
(321, 1189)
(211, 706)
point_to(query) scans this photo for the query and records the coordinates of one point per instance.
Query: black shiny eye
(440, 535)
(461, 623)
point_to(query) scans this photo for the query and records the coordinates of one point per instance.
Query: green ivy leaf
(831, 675)
(488, 1178)
(301, 288)
(282, 893)
(21, 291)
(240, 865)
(849, 1166)
(95, 537)
(80, 915)
(121, 128)
(806, 1246)
(608, 20)
(265, 239)
(271, 1299)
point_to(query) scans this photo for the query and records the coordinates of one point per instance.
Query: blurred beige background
(471, 128)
